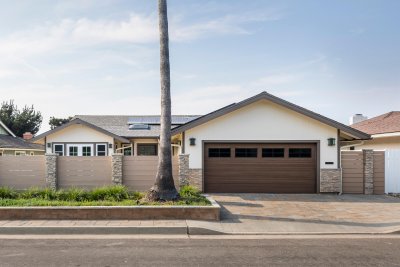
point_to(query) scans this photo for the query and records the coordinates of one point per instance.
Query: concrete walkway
(249, 214)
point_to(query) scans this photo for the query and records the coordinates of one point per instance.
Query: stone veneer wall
(51, 170)
(189, 176)
(183, 169)
(116, 168)
(196, 178)
(330, 181)
(368, 156)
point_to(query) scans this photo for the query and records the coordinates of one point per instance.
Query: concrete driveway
(303, 213)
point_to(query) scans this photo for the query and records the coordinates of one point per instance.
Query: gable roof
(79, 121)
(6, 128)
(119, 124)
(264, 95)
(11, 142)
(385, 123)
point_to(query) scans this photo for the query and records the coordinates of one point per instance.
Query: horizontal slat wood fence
(22, 172)
(83, 172)
(353, 172)
(139, 173)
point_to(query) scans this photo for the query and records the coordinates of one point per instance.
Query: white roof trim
(8, 130)
(385, 135)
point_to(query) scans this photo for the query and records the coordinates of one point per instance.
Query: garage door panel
(258, 174)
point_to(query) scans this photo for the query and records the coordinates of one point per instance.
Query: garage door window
(219, 152)
(246, 152)
(299, 152)
(273, 152)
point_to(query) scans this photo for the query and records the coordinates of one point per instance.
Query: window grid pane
(219, 152)
(273, 152)
(147, 149)
(299, 152)
(73, 151)
(101, 150)
(246, 152)
(86, 151)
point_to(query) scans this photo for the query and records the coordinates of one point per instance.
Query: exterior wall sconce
(110, 146)
(192, 141)
(48, 145)
(331, 141)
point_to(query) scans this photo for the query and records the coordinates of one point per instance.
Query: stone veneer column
(196, 178)
(330, 181)
(368, 156)
(116, 168)
(183, 169)
(51, 170)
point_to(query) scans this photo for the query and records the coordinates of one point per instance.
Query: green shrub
(136, 195)
(190, 195)
(109, 193)
(6, 192)
(39, 193)
(189, 191)
(73, 194)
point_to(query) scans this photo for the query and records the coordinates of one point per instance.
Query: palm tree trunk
(164, 187)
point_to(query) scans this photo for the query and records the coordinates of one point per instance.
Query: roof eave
(79, 121)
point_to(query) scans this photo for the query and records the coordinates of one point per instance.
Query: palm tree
(164, 187)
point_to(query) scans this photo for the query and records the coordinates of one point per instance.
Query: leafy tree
(20, 121)
(55, 122)
(164, 187)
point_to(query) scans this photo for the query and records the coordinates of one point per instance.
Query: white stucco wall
(79, 133)
(262, 121)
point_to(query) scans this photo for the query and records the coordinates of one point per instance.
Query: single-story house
(384, 130)
(261, 144)
(12, 145)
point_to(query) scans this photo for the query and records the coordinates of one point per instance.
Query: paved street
(318, 251)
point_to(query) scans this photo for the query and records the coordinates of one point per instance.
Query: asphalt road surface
(200, 252)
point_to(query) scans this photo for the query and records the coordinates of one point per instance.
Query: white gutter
(30, 149)
(385, 135)
(354, 144)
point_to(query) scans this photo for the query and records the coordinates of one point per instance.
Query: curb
(90, 230)
(154, 230)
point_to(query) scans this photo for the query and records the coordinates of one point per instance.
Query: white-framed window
(81, 150)
(86, 151)
(20, 153)
(58, 149)
(72, 151)
(101, 149)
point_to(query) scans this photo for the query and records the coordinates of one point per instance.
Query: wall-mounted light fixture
(49, 145)
(192, 141)
(110, 146)
(331, 141)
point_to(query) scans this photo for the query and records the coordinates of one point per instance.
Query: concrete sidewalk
(185, 227)
(248, 214)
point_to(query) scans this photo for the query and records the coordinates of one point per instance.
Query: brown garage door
(260, 168)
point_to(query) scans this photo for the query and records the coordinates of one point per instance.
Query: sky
(336, 58)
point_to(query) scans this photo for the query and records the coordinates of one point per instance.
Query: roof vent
(139, 126)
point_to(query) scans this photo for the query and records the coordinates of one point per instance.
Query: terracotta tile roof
(386, 123)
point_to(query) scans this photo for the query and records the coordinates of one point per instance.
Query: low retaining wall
(211, 213)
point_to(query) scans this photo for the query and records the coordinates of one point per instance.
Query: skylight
(139, 126)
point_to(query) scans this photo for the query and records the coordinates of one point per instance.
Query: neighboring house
(16, 146)
(97, 135)
(384, 130)
(261, 144)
